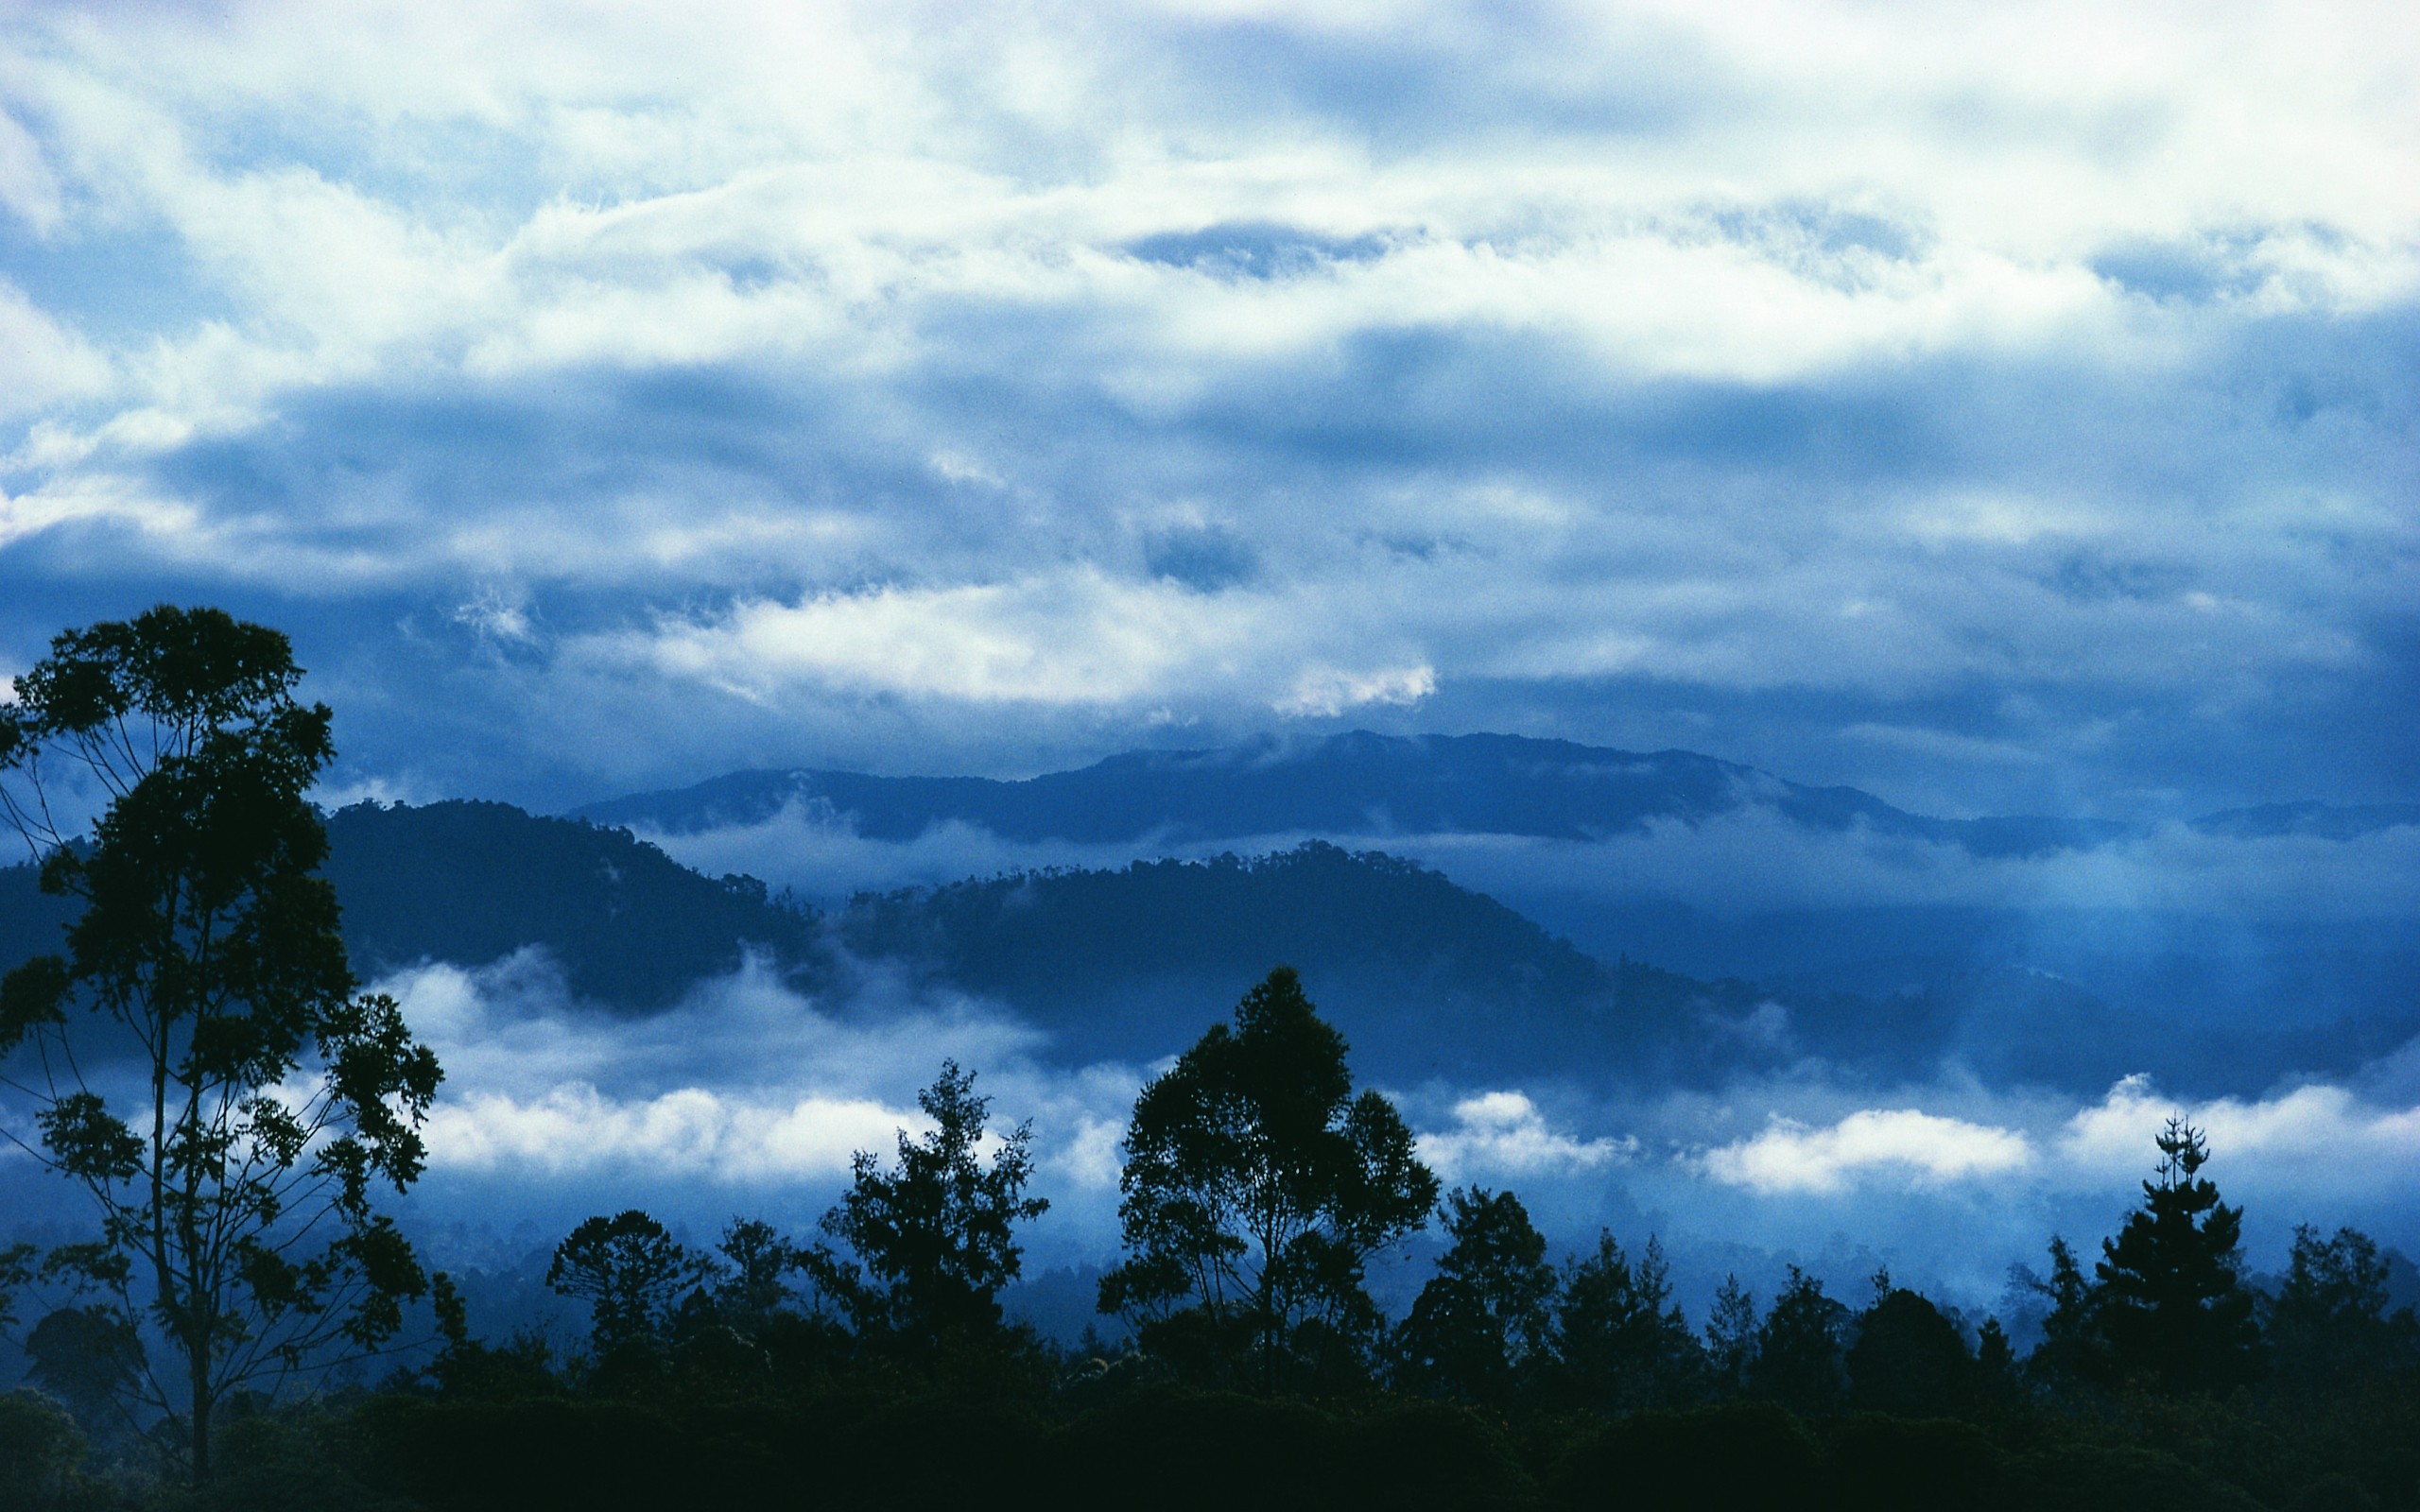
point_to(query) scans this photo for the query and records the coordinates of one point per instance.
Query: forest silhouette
(869, 1362)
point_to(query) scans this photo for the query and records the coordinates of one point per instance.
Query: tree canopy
(1256, 1186)
(1479, 1329)
(198, 1057)
(631, 1272)
(1620, 1341)
(934, 1235)
(2172, 1305)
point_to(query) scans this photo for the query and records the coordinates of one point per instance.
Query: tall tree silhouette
(225, 1100)
(1798, 1358)
(2072, 1351)
(630, 1271)
(2330, 1321)
(1730, 1329)
(1620, 1342)
(1909, 1358)
(2172, 1305)
(1256, 1187)
(935, 1234)
(1477, 1330)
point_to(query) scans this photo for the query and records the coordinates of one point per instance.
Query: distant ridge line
(1377, 786)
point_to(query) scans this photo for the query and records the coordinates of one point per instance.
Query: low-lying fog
(750, 1099)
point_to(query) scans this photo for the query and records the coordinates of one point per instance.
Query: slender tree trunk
(198, 1370)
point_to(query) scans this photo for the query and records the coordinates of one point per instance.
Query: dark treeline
(869, 1362)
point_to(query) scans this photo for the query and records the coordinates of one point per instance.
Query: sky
(2001, 408)
(2007, 407)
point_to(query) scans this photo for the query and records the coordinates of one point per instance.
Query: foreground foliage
(196, 1059)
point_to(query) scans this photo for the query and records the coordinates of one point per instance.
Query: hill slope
(1425, 978)
(1428, 979)
(470, 883)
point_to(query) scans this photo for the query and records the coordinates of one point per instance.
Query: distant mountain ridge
(1425, 978)
(1365, 784)
(1428, 979)
(467, 883)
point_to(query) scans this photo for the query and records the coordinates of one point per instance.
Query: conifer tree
(1997, 1379)
(631, 1272)
(1730, 1329)
(1798, 1360)
(2072, 1351)
(1620, 1342)
(2173, 1304)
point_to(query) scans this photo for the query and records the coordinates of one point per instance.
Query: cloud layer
(748, 1098)
(2012, 412)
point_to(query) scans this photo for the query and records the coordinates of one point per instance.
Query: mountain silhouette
(1428, 979)
(469, 883)
(1360, 785)
(1425, 978)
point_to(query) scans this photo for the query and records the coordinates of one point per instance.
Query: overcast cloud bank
(2005, 411)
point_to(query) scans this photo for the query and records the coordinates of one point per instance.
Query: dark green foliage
(632, 1273)
(1620, 1342)
(2334, 1493)
(234, 1197)
(1731, 1331)
(291, 1459)
(601, 1454)
(757, 1262)
(1743, 1457)
(2173, 1304)
(1911, 1463)
(2078, 1477)
(1185, 1451)
(474, 1369)
(40, 1450)
(89, 1358)
(2329, 1320)
(934, 1236)
(1756, 1456)
(16, 1271)
(1256, 1187)
(1910, 1359)
(1998, 1376)
(1799, 1357)
(1477, 1332)
(2072, 1351)
(725, 1432)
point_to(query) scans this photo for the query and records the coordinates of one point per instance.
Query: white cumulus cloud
(1903, 1145)
(1502, 1134)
